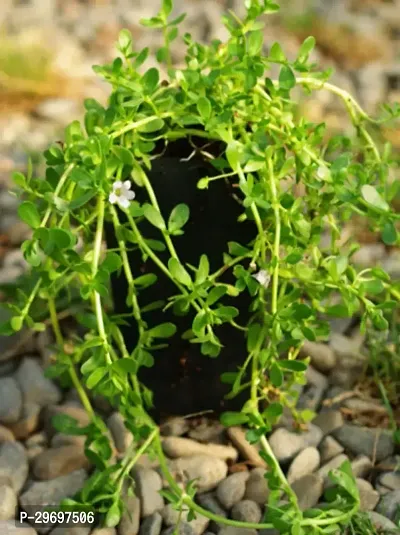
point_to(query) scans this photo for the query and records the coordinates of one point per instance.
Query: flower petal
(123, 202)
(130, 195)
(113, 198)
(117, 185)
(127, 184)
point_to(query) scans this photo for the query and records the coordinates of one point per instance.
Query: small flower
(121, 194)
(262, 277)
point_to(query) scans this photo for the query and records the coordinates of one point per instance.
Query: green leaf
(150, 79)
(167, 7)
(203, 269)
(153, 216)
(252, 336)
(19, 179)
(226, 313)
(179, 272)
(17, 323)
(292, 365)
(373, 198)
(389, 233)
(124, 155)
(124, 40)
(95, 377)
(215, 294)
(234, 154)
(306, 48)
(152, 126)
(112, 262)
(287, 79)
(276, 53)
(204, 108)
(83, 199)
(273, 412)
(229, 419)
(178, 218)
(164, 330)
(28, 212)
(276, 376)
(144, 281)
(373, 287)
(113, 516)
(255, 43)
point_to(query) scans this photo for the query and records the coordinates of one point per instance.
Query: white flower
(262, 277)
(121, 194)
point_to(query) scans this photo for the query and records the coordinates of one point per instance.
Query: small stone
(28, 422)
(176, 427)
(313, 392)
(11, 527)
(364, 440)
(38, 439)
(171, 517)
(121, 435)
(389, 505)
(361, 466)
(208, 471)
(14, 464)
(306, 462)
(70, 530)
(329, 421)
(178, 447)
(130, 521)
(209, 431)
(333, 464)
(329, 448)
(286, 444)
(233, 530)
(322, 357)
(36, 388)
(10, 400)
(208, 501)
(247, 451)
(148, 485)
(183, 529)
(8, 502)
(257, 487)
(308, 490)
(6, 435)
(58, 110)
(53, 491)
(246, 511)
(231, 490)
(151, 525)
(62, 439)
(105, 531)
(380, 522)
(368, 496)
(56, 462)
(391, 480)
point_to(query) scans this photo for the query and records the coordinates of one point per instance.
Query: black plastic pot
(183, 380)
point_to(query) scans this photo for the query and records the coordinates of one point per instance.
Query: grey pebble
(121, 435)
(208, 501)
(183, 529)
(171, 518)
(306, 462)
(14, 464)
(148, 484)
(308, 490)
(286, 444)
(329, 448)
(208, 471)
(257, 487)
(246, 511)
(8, 502)
(36, 388)
(104, 531)
(381, 522)
(10, 400)
(70, 530)
(328, 421)
(130, 521)
(151, 525)
(361, 466)
(53, 491)
(389, 505)
(391, 480)
(333, 464)
(369, 497)
(366, 441)
(231, 490)
(9, 527)
(175, 427)
(233, 530)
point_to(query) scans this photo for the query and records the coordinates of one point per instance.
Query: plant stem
(60, 184)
